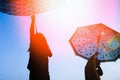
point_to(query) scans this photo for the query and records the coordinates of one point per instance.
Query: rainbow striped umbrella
(88, 40)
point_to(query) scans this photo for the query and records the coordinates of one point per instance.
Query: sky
(58, 25)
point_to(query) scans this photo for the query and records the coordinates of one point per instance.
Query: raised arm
(32, 27)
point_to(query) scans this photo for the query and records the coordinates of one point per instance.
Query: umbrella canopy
(88, 40)
(27, 7)
(114, 42)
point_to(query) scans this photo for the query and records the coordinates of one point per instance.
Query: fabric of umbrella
(114, 42)
(96, 38)
(28, 7)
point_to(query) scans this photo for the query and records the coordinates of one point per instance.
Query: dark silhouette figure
(39, 53)
(93, 70)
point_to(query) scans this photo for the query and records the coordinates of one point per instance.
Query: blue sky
(57, 25)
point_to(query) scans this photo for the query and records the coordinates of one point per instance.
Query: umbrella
(114, 42)
(88, 40)
(27, 7)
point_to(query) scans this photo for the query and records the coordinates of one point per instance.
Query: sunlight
(57, 23)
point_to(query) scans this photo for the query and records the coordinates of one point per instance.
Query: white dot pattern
(89, 39)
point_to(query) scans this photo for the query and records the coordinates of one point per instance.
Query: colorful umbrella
(88, 40)
(27, 7)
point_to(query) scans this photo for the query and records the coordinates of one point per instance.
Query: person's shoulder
(39, 34)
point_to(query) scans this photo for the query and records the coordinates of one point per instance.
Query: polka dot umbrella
(88, 40)
(28, 7)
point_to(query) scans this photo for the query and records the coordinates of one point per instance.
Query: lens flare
(114, 42)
